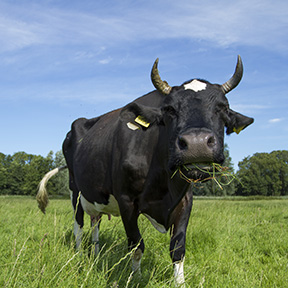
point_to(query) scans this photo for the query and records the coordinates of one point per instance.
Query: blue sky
(61, 60)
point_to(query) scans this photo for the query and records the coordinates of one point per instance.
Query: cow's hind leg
(78, 219)
(95, 225)
(78, 233)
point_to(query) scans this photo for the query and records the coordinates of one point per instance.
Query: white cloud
(246, 22)
(248, 108)
(275, 120)
(16, 34)
(105, 61)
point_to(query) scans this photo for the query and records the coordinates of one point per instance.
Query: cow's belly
(94, 209)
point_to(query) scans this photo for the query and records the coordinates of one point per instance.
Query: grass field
(230, 243)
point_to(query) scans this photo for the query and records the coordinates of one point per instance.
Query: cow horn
(160, 85)
(235, 79)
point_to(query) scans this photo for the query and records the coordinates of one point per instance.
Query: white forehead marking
(196, 85)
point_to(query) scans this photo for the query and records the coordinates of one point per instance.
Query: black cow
(123, 163)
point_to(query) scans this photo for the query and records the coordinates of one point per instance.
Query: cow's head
(193, 117)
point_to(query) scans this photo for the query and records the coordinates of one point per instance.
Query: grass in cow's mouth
(220, 174)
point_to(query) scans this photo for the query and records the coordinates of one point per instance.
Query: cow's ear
(237, 122)
(138, 116)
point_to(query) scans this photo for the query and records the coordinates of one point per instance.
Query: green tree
(37, 167)
(21, 173)
(16, 173)
(3, 173)
(264, 174)
(282, 156)
(61, 181)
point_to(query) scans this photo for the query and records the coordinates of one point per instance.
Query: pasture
(230, 243)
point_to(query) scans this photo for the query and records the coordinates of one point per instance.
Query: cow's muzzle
(197, 146)
(195, 152)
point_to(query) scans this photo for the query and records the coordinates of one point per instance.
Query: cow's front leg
(136, 258)
(180, 218)
(177, 253)
(179, 273)
(130, 217)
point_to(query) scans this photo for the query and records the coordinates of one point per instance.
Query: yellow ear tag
(238, 130)
(132, 126)
(140, 120)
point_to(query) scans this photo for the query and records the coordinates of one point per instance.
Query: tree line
(21, 173)
(264, 174)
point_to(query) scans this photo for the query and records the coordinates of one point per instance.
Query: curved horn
(160, 85)
(235, 79)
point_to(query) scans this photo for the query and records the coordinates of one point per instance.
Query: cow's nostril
(182, 144)
(211, 142)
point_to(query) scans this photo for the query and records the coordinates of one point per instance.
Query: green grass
(230, 243)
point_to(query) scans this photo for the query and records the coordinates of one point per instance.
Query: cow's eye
(222, 109)
(169, 110)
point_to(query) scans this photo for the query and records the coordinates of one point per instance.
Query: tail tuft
(42, 195)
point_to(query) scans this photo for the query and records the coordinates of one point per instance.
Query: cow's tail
(42, 195)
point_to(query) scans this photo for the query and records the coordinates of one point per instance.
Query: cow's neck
(161, 195)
